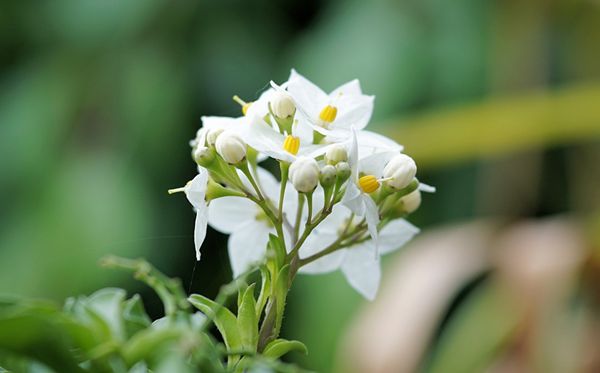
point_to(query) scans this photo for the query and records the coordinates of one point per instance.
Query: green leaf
(134, 316)
(280, 292)
(107, 303)
(147, 344)
(224, 319)
(247, 320)
(264, 290)
(38, 333)
(280, 347)
(276, 250)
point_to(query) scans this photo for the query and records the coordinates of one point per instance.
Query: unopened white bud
(411, 201)
(213, 134)
(282, 105)
(231, 147)
(328, 175)
(304, 174)
(336, 154)
(400, 171)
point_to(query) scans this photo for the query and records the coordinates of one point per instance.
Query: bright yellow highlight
(246, 107)
(328, 114)
(368, 183)
(291, 144)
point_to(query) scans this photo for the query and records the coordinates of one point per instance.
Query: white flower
(265, 139)
(400, 170)
(357, 197)
(359, 266)
(248, 226)
(304, 174)
(331, 114)
(231, 147)
(195, 191)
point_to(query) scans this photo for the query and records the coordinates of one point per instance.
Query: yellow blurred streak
(500, 125)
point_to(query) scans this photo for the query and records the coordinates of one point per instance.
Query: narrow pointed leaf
(247, 320)
(224, 319)
(280, 347)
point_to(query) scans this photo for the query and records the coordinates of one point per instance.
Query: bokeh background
(498, 102)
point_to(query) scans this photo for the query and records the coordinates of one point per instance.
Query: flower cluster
(341, 195)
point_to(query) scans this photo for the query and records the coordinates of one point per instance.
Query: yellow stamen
(245, 105)
(368, 183)
(291, 144)
(328, 114)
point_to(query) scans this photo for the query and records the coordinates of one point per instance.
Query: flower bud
(336, 154)
(203, 156)
(231, 147)
(282, 104)
(400, 171)
(212, 135)
(343, 171)
(328, 175)
(304, 174)
(411, 201)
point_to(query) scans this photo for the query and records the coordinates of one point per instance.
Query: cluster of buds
(335, 178)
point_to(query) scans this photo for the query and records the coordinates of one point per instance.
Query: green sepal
(215, 190)
(247, 321)
(280, 347)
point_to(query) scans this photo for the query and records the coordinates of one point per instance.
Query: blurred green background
(498, 101)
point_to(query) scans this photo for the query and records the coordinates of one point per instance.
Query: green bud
(327, 176)
(204, 156)
(343, 171)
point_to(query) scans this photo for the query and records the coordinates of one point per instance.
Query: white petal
(352, 199)
(362, 270)
(247, 246)
(372, 217)
(354, 111)
(260, 107)
(375, 163)
(371, 142)
(309, 98)
(326, 264)
(263, 138)
(195, 190)
(353, 156)
(426, 188)
(227, 214)
(395, 235)
(350, 88)
(199, 230)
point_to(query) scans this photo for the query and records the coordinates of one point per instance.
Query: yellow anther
(368, 183)
(291, 144)
(328, 114)
(246, 107)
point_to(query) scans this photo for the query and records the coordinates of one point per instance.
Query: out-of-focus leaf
(134, 315)
(149, 343)
(280, 347)
(479, 328)
(247, 321)
(224, 319)
(37, 333)
(501, 125)
(108, 304)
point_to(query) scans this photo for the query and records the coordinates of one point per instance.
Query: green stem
(284, 167)
(298, 217)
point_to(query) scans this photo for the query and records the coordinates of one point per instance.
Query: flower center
(291, 144)
(328, 114)
(368, 183)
